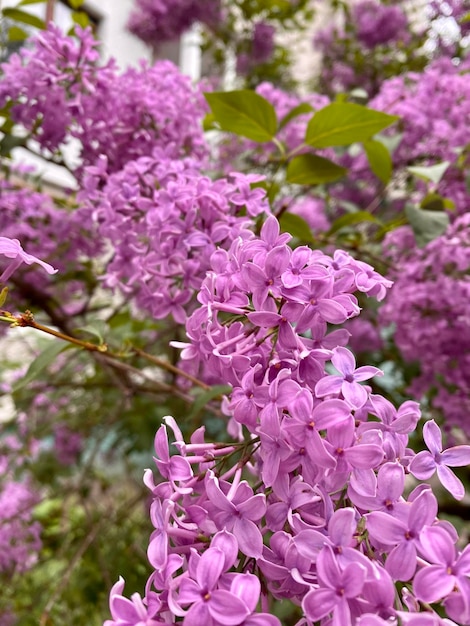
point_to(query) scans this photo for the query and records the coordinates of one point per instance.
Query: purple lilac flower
(11, 249)
(347, 384)
(425, 463)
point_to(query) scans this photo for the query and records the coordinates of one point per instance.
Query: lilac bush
(288, 488)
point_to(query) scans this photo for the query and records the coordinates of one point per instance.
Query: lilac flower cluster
(261, 48)
(164, 221)
(429, 307)
(157, 21)
(434, 107)
(25, 212)
(363, 52)
(326, 524)
(377, 24)
(20, 539)
(19, 534)
(58, 89)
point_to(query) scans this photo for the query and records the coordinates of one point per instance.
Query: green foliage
(343, 123)
(245, 113)
(426, 225)
(379, 159)
(296, 226)
(311, 169)
(41, 362)
(24, 18)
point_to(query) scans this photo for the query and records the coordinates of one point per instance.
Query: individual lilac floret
(448, 568)
(11, 249)
(127, 612)
(210, 605)
(402, 535)
(425, 463)
(338, 587)
(347, 384)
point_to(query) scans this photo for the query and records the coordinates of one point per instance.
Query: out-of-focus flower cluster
(157, 21)
(164, 220)
(58, 89)
(429, 307)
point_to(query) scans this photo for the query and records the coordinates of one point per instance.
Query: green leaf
(208, 123)
(300, 109)
(3, 296)
(433, 173)
(206, 396)
(352, 218)
(436, 202)
(41, 362)
(25, 18)
(25, 2)
(9, 142)
(245, 113)
(296, 226)
(98, 329)
(379, 159)
(17, 34)
(426, 225)
(342, 123)
(80, 18)
(75, 4)
(310, 169)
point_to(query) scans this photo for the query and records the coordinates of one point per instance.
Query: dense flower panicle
(58, 89)
(377, 24)
(19, 534)
(429, 307)
(164, 221)
(434, 109)
(327, 523)
(63, 241)
(157, 21)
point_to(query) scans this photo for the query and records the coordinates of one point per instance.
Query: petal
(210, 568)
(365, 456)
(342, 526)
(318, 603)
(226, 608)
(433, 437)
(423, 465)
(329, 413)
(226, 542)
(385, 528)
(189, 591)
(352, 579)
(458, 456)
(423, 511)
(436, 546)
(328, 569)
(254, 508)
(354, 393)
(391, 481)
(450, 481)
(367, 371)
(246, 587)
(431, 584)
(344, 361)
(401, 562)
(198, 614)
(250, 540)
(328, 386)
